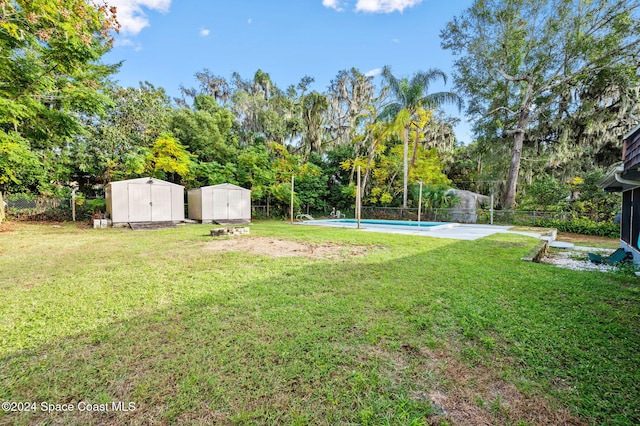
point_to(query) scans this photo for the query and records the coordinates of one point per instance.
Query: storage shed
(144, 200)
(220, 203)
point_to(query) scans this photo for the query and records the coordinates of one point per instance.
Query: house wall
(630, 223)
(625, 221)
(626, 182)
(635, 217)
(631, 151)
(633, 250)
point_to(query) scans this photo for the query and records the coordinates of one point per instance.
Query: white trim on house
(631, 132)
(631, 249)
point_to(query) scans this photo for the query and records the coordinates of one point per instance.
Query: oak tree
(517, 60)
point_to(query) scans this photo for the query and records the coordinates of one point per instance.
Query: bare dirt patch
(6, 227)
(275, 247)
(464, 394)
(475, 395)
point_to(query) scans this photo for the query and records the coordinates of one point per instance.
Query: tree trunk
(1, 208)
(405, 141)
(372, 153)
(415, 149)
(514, 169)
(268, 197)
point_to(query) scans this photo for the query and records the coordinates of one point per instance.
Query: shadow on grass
(301, 341)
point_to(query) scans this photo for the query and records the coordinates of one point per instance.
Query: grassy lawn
(589, 241)
(576, 239)
(404, 330)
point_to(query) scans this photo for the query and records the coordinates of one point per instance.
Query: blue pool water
(380, 222)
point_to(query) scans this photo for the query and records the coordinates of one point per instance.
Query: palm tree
(410, 95)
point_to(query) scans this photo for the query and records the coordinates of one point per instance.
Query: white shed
(144, 200)
(220, 203)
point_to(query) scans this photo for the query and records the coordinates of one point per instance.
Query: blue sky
(166, 42)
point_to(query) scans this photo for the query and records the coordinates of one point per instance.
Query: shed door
(160, 202)
(220, 210)
(234, 204)
(139, 202)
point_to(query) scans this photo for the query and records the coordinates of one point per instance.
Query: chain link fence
(481, 216)
(27, 207)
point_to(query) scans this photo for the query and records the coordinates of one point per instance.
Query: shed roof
(224, 186)
(144, 180)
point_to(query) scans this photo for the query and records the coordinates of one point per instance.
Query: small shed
(220, 203)
(144, 200)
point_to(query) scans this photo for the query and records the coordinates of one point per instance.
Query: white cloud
(127, 42)
(123, 42)
(373, 72)
(131, 15)
(205, 32)
(395, 40)
(333, 4)
(249, 21)
(385, 6)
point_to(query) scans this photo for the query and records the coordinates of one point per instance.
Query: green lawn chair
(618, 256)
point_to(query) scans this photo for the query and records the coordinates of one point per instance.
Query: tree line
(552, 87)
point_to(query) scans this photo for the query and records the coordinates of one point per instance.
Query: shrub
(546, 193)
(583, 226)
(91, 206)
(49, 215)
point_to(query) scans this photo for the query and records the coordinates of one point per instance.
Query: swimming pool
(380, 224)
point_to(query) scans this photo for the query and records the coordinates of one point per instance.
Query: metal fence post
(73, 204)
(491, 211)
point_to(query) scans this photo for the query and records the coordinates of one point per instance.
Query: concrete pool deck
(456, 231)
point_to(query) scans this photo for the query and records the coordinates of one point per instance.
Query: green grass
(193, 336)
(576, 239)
